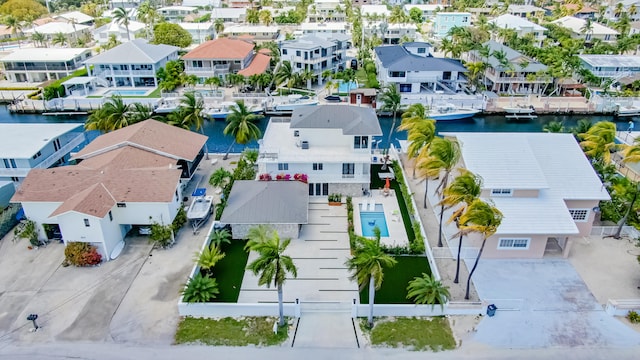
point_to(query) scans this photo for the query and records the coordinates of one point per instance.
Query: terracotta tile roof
(94, 192)
(222, 48)
(152, 135)
(259, 65)
(127, 158)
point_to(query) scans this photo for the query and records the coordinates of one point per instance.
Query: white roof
(228, 12)
(524, 8)
(57, 27)
(323, 26)
(374, 9)
(575, 24)
(22, 141)
(179, 8)
(453, 13)
(423, 7)
(508, 21)
(251, 29)
(532, 161)
(44, 54)
(611, 60)
(196, 26)
(530, 216)
(78, 16)
(201, 3)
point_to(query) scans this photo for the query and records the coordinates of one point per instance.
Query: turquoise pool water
(344, 87)
(371, 219)
(126, 92)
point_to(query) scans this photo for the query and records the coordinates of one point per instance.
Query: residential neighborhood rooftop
(267, 202)
(23, 140)
(627, 61)
(46, 54)
(138, 51)
(221, 48)
(353, 120)
(397, 58)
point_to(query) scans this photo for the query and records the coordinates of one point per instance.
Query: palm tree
(200, 289)
(213, 82)
(367, 265)
(599, 142)
(241, 125)
(464, 188)
(428, 290)
(60, 39)
(272, 265)
(441, 158)
(391, 99)
(39, 39)
(114, 114)
(121, 16)
(220, 178)
(284, 73)
(420, 130)
(14, 24)
(218, 26)
(483, 218)
(218, 237)
(209, 257)
(553, 127)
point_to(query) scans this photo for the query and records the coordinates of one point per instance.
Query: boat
(167, 106)
(200, 209)
(519, 109)
(289, 104)
(629, 110)
(451, 112)
(222, 110)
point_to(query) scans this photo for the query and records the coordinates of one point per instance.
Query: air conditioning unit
(305, 144)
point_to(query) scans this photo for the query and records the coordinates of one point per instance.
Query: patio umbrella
(387, 185)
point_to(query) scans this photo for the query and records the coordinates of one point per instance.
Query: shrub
(180, 220)
(81, 254)
(161, 235)
(335, 198)
(28, 229)
(633, 316)
(301, 177)
(200, 289)
(265, 177)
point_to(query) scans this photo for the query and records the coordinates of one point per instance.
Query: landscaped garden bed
(412, 333)
(396, 280)
(244, 331)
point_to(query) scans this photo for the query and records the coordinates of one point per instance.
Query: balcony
(47, 162)
(137, 73)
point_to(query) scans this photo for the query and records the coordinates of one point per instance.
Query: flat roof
(46, 54)
(22, 141)
(611, 60)
(79, 80)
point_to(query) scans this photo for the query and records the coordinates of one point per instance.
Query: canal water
(218, 143)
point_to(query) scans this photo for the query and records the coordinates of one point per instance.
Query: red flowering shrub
(265, 177)
(81, 254)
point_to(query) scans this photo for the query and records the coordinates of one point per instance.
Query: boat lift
(200, 209)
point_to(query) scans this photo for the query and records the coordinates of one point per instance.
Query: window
(317, 166)
(501, 192)
(86, 222)
(405, 88)
(516, 243)
(121, 205)
(37, 155)
(283, 166)
(110, 216)
(284, 51)
(579, 214)
(296, 133)
(360, 142)
(397, 74)
(422, 50)
(348, 170)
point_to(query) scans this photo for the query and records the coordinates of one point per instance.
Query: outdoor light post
(33, 317)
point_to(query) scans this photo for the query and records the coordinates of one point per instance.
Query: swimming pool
(126, 92)
(344, 87)
(371, 219)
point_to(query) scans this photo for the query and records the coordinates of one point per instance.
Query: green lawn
(361, 76)
(377, 183)
(396, 280)
(256, 331)
(230, 270)
(412, 333)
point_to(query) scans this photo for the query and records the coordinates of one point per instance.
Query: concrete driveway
(543, 303)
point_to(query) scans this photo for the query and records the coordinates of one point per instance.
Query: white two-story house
(37, 65)
(543, 184)
(330, 144)
(611, 66)
(414, 70)
(131, 176)
(579, 30)
(316, 54)
(132, 64)
(522, 27)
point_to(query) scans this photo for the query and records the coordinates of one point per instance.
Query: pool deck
(397, 234)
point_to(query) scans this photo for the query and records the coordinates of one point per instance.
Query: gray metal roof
(397, 58)
(267, 202)
(611, 60)
(353, 120)
(137, 51)
(308, 42)
(512, 55)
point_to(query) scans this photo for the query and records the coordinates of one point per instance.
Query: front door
(318, 189)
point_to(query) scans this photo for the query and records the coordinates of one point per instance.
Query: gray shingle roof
(267, 202)
(307, 42)
(353, 120)
(397, 58)
(137, 51)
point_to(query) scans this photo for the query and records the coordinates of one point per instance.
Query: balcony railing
(108, 72)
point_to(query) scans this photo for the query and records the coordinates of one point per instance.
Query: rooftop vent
(305, 144)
